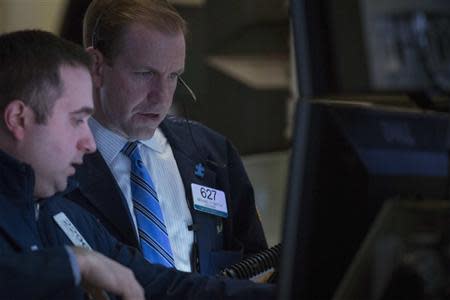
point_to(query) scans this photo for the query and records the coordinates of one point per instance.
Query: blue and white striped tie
(150, 220)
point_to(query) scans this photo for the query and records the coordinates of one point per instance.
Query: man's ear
(16, 116)
(97, 66)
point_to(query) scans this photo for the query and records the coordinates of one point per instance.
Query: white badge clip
(209, 200)
(70, 230)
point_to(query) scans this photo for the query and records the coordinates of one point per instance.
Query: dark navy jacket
(18, 270)
(26, 224)
(220, 242)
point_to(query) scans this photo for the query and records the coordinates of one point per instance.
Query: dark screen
(347, 160)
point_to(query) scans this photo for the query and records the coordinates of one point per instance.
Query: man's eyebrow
(150, 68)
(84, 110)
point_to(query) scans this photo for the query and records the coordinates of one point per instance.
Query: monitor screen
(372, 46)
(347, 160)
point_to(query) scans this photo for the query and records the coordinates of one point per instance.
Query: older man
(201, 213)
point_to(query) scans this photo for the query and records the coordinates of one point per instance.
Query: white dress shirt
(160, 162)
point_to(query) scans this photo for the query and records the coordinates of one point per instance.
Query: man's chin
(49, 189)
(58, 188)
(61, 187)
(141, 133)
(45, 193)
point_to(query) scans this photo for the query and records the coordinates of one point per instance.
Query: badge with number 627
(209, 200)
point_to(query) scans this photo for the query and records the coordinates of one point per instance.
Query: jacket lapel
(99, 186)
(187, 167)
(188, 157)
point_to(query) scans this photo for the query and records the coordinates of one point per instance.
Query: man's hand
(99, 273)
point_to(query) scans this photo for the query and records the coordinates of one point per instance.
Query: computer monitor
(370, 46)
(347, 160)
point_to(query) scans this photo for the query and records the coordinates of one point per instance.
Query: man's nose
(87, 142)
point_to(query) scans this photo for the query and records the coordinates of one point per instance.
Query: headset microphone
(188, 123)
(191, 92)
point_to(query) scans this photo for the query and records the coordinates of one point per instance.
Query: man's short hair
(105, 21)
(30, 63)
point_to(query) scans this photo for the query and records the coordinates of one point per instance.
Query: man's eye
(174, 76)
(146, 73)
(78, 122)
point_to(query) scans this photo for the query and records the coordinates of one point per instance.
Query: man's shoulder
(194, 137)
(182, 127)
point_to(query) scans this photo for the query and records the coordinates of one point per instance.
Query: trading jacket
(27, 225)
(20, 271)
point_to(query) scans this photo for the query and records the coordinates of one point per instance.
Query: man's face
(137, 87)
(54, 148)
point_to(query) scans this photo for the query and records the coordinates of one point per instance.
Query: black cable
(189, 127)
(255, 264)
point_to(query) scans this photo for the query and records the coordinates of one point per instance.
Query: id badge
(70, 230)
(209, 200)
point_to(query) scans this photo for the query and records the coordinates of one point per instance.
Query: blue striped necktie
(150, 220)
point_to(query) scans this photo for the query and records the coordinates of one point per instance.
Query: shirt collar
(110, 143)
(157, 142)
